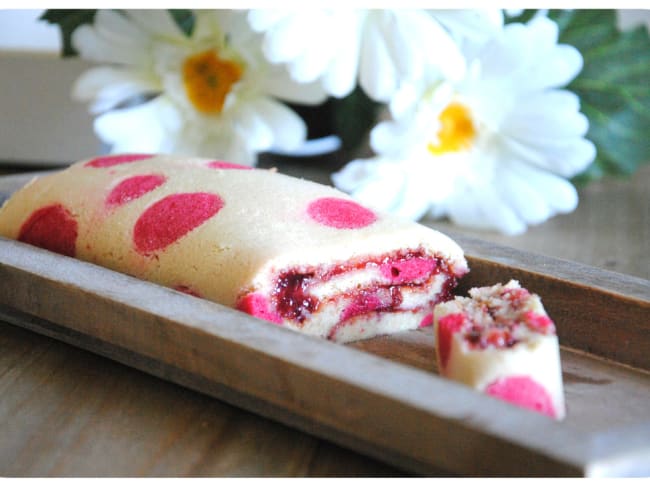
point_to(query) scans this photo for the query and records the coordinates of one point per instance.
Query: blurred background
(41, 124)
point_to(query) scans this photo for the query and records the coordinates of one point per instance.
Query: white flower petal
(372, 182)
(385, 185)
(341, 79)
(545, 115)
(116, 28)
(377, 73)
(287, 40)
(420, 29)
(567, 159)
(543, 33)
(570, 159)
(278, 83)
(545, 127)
(501, 57)
(527, 132)
(400, 32)
(548, 64)
(416, 197)
(393, 138)
(522, 196)
(289, 130)
(477, 25)
(108, 87)
(556, 69)
(264, 19)
(227, 146)
(559, 193)
(113, 39)
(311, 64)
(406, 99)
(95, 48)
(144, 128)
(156, 22)
(352, 175)
(482, 208)
(253, 128)
(341, 76)
(320, 47)
(224, 29)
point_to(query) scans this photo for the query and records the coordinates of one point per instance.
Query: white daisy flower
(493, 151)
(211, 94)
(376, 49)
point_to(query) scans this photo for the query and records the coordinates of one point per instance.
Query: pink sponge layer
(53, 228)
(257, 305)
(340, 213)
(115, 160)
(523, 391)
(133, 188)
(407, 271)
(171, 218)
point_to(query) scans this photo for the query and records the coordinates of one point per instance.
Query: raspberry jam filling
(292, 297)
(502, 322)
(481, 338)
(294, 301)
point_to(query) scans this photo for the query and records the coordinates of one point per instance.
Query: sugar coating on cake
(289, 251)
(501, 341)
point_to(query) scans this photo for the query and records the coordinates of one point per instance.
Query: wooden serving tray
(383, 396)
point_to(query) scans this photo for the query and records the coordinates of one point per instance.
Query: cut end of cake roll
(349, 300)
(289, 251)
(367, 274)
(502, 342)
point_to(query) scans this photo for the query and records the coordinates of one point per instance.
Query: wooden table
(67, 412)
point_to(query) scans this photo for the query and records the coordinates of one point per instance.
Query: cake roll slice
(501, 341)
(286, 250)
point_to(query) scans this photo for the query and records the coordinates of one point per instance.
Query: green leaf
(353, 117)
(68, 20)
(184, 19)
(613, 87)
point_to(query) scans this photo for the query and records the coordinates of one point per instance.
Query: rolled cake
(283, 249)
(501, 341)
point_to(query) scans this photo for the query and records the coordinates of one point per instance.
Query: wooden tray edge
(291, 362)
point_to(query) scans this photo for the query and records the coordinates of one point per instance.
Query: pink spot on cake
(107, 161)
(169, 219)
(52, 228)
(427, 321)
(408, 270)
(133, 188)
(539, 322)
(340, 213)
(226, 165)
(523, 391)
(188, 291)
(447, 327)
(258, 305)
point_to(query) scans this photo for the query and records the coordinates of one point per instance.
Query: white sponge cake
(287, 250)
(500, 341)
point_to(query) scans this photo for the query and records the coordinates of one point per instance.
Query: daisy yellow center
(456, 132)
(208, 79)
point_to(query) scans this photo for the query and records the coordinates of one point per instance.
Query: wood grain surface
(67, 412)
(405, 416)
